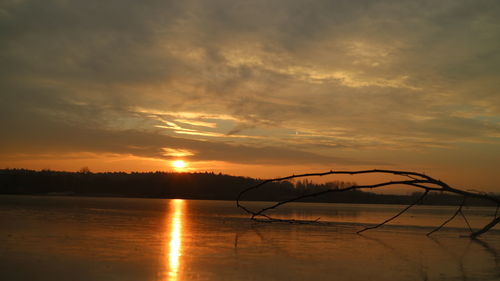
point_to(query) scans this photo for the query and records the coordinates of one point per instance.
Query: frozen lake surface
(75, 238)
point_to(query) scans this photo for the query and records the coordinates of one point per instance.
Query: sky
(253, 88)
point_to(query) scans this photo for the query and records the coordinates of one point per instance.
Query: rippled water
(67, 238)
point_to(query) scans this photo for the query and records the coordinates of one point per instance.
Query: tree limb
(416, 180)
(397, 215)
(459, 210)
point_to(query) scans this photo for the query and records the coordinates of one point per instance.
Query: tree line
(199, 185)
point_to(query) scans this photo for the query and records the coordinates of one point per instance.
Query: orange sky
(253, 88)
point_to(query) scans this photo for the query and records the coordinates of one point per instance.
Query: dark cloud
(352, 74)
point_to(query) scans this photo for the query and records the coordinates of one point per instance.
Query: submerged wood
(417, 180)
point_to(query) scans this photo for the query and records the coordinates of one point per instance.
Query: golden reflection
(175, 244)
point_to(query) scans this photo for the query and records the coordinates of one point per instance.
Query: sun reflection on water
(175, 244)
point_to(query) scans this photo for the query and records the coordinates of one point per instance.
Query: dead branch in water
(416, 180)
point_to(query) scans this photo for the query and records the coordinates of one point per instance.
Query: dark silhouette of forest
(206, 185)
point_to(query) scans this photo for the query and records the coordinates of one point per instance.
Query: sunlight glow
(179, 164)
(175, 245)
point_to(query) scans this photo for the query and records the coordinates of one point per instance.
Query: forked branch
(413, 179)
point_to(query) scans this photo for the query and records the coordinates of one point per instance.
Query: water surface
(70, 238)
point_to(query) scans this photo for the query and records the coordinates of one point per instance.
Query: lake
(77, 238)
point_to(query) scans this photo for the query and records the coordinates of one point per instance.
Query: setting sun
(179, 164)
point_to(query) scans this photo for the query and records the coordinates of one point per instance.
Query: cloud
(38, 135)
(177, 152)
(225, 77)
(197, 123)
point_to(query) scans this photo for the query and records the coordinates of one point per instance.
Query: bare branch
(485, 228)
(397, 215)
(466, 221)
(417, 180)
(459, 210)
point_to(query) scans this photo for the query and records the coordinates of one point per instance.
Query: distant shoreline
(110, 196)
(194, 186)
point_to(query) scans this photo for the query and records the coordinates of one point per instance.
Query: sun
(179, 164)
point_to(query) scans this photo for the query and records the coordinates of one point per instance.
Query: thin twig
(466, 221)
(459, 210)
(397, 215)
